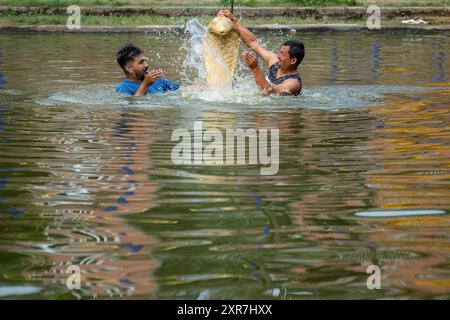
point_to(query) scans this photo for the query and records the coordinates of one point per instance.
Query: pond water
(86, 176)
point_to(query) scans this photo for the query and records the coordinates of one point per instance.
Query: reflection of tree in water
(413, 173)
(2, 79)
(394, 158)
(101, 175)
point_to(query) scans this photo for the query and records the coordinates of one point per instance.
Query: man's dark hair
(126, 54)
(296, 50)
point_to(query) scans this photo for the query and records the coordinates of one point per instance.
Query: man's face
(138, 67)
(284, 58)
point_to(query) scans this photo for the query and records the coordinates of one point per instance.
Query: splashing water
(194, 58)
(244, 89)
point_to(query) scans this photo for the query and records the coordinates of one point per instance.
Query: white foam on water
(85, 96)
(397, 213)
(244, 95)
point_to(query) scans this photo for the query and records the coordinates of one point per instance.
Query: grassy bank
(15, 19)
(246, 3)
(149, 19)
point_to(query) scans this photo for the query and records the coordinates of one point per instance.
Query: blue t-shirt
(159, 86)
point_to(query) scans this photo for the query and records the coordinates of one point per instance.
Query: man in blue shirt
(139, 81)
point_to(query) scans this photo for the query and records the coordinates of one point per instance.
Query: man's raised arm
(250, 40)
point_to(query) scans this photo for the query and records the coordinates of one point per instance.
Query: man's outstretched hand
(150, 78)
(153, 76)
(227, 14)
(251, 60)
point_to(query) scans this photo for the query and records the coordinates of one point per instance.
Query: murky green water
(86, 176)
